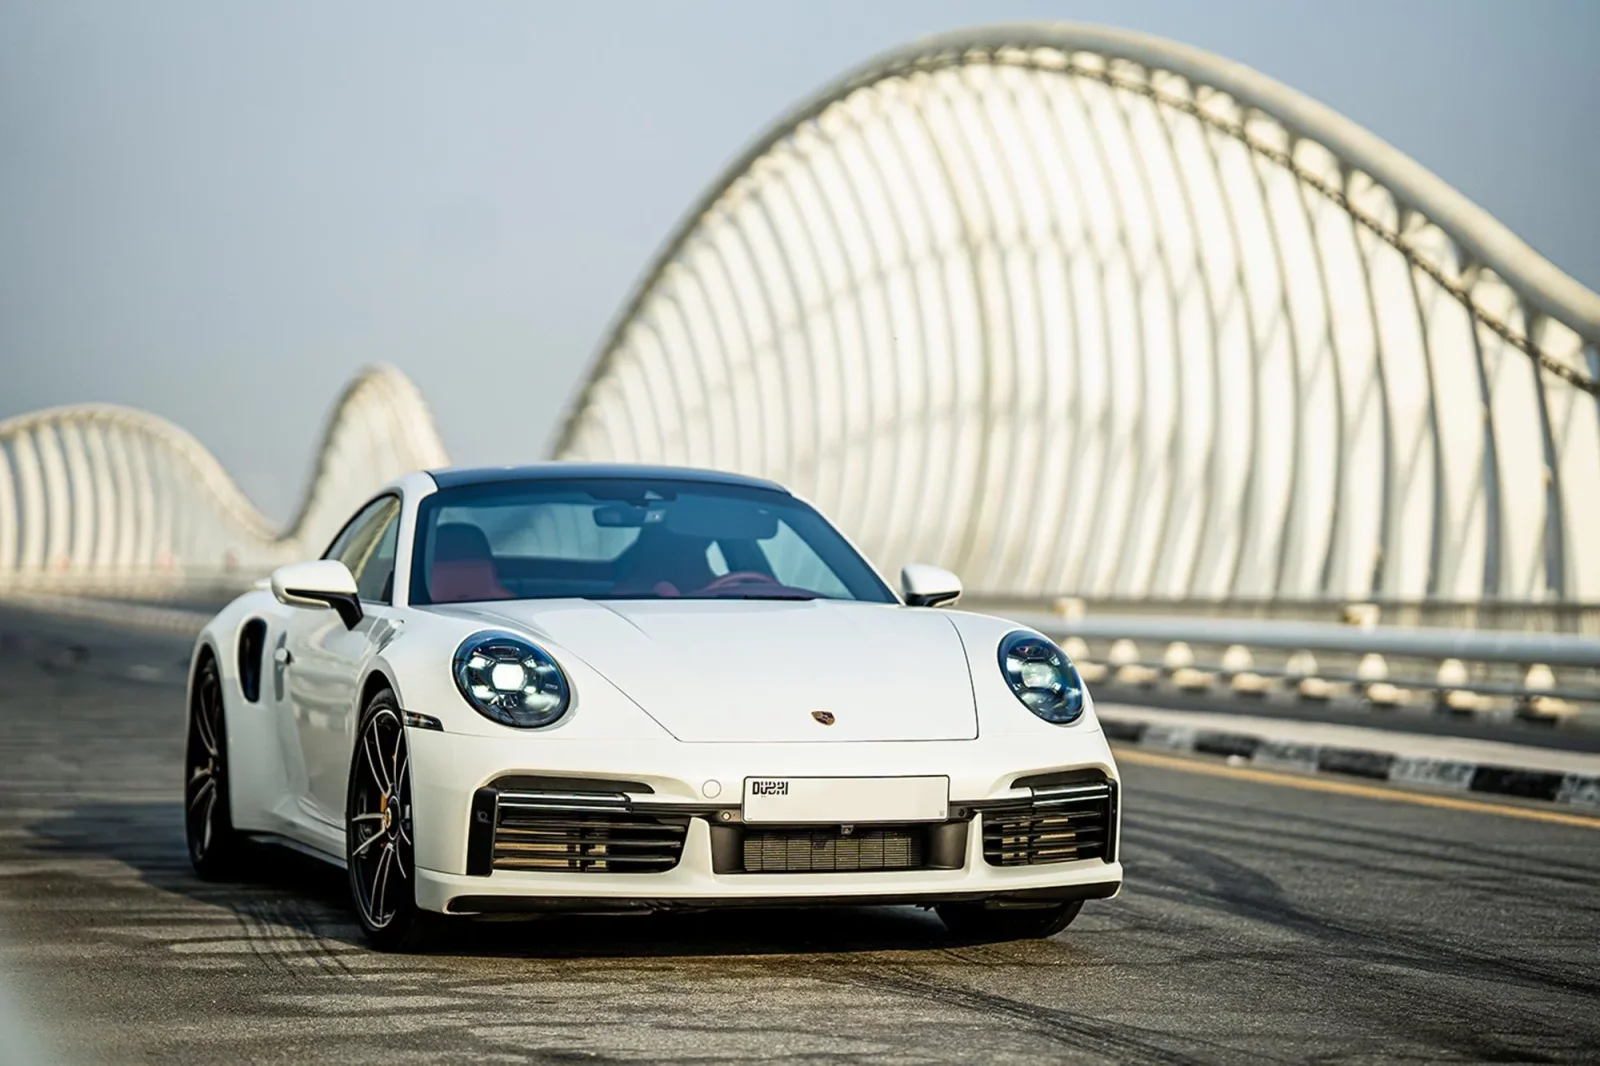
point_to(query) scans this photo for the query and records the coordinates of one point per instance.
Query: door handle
(282, 656)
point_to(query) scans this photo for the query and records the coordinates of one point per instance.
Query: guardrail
(1479, 614)
(1550, 677)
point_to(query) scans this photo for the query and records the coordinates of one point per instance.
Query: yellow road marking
(1349, 788)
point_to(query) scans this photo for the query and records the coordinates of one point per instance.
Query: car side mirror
(928, 586)
(321, 583)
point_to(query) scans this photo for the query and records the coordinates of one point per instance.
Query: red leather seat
(463, 566)
(666, 565)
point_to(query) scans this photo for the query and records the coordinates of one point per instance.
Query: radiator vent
(831, 850)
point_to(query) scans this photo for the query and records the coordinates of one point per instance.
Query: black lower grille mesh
(832, 851)
(585, 842)
(1040, 834)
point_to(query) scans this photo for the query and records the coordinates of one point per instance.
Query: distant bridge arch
(104, 499)
(1076, 310)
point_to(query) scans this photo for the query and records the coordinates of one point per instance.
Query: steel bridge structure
(1076, 310)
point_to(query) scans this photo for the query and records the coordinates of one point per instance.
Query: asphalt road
(1261, 922)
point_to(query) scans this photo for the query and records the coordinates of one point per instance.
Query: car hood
(765, 671)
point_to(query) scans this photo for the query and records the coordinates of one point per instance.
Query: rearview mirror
(619, 516)
(928, 586)
(322, 583)
(716, 518)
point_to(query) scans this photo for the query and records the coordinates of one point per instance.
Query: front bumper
(448, 770)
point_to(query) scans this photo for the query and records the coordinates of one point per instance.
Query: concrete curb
(1576, 790)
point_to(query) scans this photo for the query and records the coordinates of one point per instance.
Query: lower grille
(587, 842)
(831, 851)
(1058, 825)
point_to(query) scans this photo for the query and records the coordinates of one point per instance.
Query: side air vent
(1061, 823)
(252, 645)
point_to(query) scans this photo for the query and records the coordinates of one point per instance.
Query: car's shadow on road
(302, 896)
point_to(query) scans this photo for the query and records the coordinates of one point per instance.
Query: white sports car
(575, 687)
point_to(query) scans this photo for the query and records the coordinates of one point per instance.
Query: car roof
(572, 471)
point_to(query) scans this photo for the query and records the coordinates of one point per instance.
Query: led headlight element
(1042, 677)
(511, 681)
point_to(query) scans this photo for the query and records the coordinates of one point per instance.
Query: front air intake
(1059, 824)
(548, 832)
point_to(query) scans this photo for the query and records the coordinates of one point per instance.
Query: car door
(325, 659)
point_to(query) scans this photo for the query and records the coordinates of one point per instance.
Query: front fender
(1000, 713)
(418, 659)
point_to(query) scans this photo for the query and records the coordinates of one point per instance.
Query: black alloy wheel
(994, 922)
(379, 852)
(214, 845)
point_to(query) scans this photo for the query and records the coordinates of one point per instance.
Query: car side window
(367, 546)
(375, 579)
(341, 543)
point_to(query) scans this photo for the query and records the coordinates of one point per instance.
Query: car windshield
(635, 539)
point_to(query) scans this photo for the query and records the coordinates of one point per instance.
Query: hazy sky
(218, 211)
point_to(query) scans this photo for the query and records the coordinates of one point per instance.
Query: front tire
(995, 922)
(379, 851)
(215, 846)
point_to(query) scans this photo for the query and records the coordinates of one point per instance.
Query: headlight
(1042, 677)
(510, 681)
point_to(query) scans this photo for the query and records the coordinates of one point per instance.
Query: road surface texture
(1261, 922)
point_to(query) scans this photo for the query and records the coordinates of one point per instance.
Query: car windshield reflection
(635, 539)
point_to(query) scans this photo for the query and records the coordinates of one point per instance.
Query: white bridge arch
(102, 499)
(1078, 310)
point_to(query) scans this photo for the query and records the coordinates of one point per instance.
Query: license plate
(846, 800)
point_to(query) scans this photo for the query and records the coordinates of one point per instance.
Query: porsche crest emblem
(823, 717)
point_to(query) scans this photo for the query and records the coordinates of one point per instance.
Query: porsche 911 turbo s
(608, 688)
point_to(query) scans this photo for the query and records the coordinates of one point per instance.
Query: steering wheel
(739, 579)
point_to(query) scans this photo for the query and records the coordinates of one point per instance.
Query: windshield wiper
(756, 596)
